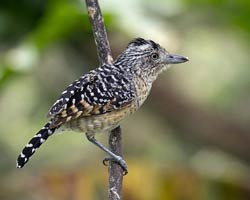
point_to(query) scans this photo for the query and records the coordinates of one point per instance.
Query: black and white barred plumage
(33, 144)
(100, 99)
(95, 93)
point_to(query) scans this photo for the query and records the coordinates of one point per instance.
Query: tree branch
(105, 57)
(115, 171)
(99, 31)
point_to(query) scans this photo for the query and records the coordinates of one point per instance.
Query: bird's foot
(119, 160)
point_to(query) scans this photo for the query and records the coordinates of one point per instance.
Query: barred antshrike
(100, 99)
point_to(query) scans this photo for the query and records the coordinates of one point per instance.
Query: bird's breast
(142, 91)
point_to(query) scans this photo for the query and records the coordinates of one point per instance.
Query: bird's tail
(34, 144)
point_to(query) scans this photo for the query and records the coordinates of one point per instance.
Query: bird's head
(147, 58)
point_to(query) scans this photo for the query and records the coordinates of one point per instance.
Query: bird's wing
(61, 103)
(92, 94)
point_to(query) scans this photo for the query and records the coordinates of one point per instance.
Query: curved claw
(105, 160)
(119, 161)
(124, 167)
(125, 172)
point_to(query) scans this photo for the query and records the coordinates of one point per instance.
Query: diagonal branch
(99, 31)
(105, 57)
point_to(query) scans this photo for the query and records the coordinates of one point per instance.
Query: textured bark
(115, 171)
(104, 55)
(99, 31)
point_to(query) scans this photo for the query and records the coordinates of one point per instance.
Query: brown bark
(99, 31)
(105, 57)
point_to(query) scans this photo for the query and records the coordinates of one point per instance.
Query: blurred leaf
(16, 19)
(233, 13)
(58, 22)
(5, 74)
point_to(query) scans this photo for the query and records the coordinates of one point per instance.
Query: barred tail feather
(34, 144)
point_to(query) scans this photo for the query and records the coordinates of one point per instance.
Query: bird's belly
(98, 123)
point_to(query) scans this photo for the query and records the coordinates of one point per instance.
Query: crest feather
(137, 42)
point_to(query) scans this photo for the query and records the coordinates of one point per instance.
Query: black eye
(155, 56)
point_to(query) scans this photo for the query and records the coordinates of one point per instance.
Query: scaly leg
(113, 157)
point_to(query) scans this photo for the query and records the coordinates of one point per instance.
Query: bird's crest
(140, 42)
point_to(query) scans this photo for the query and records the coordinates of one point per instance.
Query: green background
(190, 140)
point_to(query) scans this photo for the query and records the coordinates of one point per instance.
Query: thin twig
(99, 31)
(115, 171)
(105, 57)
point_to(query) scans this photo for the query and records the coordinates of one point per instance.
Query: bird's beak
(175, 59)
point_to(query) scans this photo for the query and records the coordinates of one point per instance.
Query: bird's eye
(155, 56)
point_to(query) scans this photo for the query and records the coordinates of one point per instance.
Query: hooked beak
(175, 59)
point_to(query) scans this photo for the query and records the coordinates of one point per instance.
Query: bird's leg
(113, 157)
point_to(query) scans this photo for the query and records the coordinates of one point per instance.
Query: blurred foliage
(45, 45)
(229, 12)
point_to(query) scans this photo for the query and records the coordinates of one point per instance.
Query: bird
(99, 100)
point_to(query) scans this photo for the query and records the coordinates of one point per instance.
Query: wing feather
(68, 93)
(92, 94)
